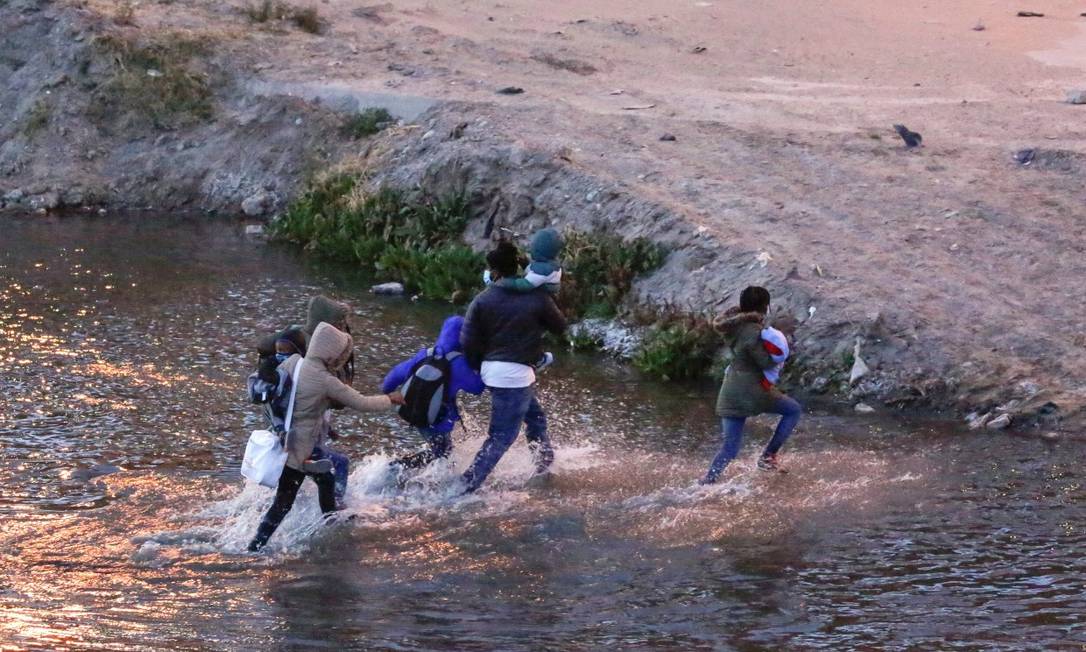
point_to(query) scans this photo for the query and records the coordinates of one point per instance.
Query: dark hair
(504, 259)
(754, 299)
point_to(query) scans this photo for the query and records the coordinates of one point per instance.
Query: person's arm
(468, 380)
(471, 336)
(398, 376)
(553, 319)
(349, 397)
(517, 284)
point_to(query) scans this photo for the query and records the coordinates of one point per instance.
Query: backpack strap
(293, 395)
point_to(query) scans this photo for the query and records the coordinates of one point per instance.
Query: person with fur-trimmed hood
(318, 386)
(745, 391)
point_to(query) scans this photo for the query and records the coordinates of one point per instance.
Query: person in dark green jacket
(745, 391)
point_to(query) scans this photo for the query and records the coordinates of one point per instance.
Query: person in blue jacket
(462, 379)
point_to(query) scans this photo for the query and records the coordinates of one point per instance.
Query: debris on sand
(979, 27)
(1076, 97)
(1002, 422)
(668, 137)
(911, 138)
(864, 408)
(1025, 156)
(388, 289)
(638, 107)
(510, 90)
(699, 49)
(1030, 14)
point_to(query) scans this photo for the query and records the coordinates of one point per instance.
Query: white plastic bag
(264, 458)
(264, 454)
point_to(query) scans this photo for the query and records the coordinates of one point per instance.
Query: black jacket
(507, 326)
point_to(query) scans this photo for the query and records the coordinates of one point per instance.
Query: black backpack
(424, 391)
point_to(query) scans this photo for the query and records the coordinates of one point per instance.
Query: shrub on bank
(366, 123)
(598, 270)
(155, 82)
(395, 235)
(678, 348)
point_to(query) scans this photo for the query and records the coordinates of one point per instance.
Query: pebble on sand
(1001, 422)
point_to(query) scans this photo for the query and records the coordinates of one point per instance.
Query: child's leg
(732, 429)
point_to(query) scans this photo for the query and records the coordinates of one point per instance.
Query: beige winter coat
(318, 386)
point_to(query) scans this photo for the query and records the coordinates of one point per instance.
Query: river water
(123, 519)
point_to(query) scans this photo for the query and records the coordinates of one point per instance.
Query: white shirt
(507, 375)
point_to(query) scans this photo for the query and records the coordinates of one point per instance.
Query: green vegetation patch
(680, 347)
(37, 118)
(366, 123)
(397, 236)
(156, 82)
(598, 270)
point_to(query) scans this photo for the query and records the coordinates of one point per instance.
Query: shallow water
(122, 421)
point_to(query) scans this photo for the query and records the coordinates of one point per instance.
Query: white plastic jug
(264, 454)
(264, 458)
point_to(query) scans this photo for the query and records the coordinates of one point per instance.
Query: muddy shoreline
(260, 141)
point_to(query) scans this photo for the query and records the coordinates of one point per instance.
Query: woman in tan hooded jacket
(318, 386)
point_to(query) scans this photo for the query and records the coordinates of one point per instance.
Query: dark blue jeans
(732, 429)
(441, 445)
(341, 467)
(510, 407)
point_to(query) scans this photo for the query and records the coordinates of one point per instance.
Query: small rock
(258, 204)
(510, 90)
(668, 137)
(820, 385)
(46, 201)
(254, 229)
(13, 195)
(1001, 422)
(1025, 156)
(1076, 97)
(977, 421)
(979, 27)
(1030, 14)
(698, 49)
(864, 408)
(1050, 436)
(297, 121)
(389, 289)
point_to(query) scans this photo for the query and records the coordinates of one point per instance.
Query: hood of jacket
(729, 323)
(546, 245)
(323, 309)
(329, 346)
(449, 338)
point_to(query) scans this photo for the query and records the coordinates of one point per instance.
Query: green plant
(307, 20)
(366, 123)
(599, 270)
(679, 348)
(154, 82)
(37, 118)
(395, 235)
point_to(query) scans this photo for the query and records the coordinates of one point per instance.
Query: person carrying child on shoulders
(455, 376)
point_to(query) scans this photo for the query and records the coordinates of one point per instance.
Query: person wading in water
(502, 335)
(745, 391)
